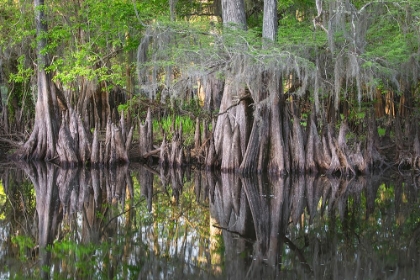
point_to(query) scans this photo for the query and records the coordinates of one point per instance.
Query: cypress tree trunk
(310, 165)
(226, 147)
(270, 20)
(276, 165)
(233, 12)
(42, 142)
(250, 159)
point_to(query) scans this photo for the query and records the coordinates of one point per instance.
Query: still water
(136, 222)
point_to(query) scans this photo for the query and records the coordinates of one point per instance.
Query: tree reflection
(321, 227)
(138, 222)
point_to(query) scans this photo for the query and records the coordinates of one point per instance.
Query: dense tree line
(304, 86)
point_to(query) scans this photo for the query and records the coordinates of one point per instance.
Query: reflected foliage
(136, 222)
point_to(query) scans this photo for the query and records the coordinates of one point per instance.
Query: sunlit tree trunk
(233, 14)
(266, 130)
(43, 140)
(270, 20)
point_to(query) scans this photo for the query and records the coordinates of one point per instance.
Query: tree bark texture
(233, 12)
(270, 22)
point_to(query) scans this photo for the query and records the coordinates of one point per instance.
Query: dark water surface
(140, 223)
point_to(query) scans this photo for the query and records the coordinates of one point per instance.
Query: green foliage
(3, 199)
(188, 127)
(23, 73)
(83, 257)
(299, 36)
(381, 131)
(25, 245)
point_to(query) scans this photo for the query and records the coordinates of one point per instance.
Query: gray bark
(233, 12)
(270, 20)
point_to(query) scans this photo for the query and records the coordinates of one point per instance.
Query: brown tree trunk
(42, 142)
(65, 147)
(235, 150)
(226, 147)
(233, 12)
(95, 155)
(250, 159)
(211, 160)
(310, 165)
(41, 145)
(164, 155)
(298, 147)
(335, 162)
(270, 22)
(276, 165)
(322, 161)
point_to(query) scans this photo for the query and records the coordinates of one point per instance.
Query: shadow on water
(135, 222)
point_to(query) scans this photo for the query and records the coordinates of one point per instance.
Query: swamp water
(136, 222)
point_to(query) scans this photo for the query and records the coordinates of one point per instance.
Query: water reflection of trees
(143, 223)
(320, 227)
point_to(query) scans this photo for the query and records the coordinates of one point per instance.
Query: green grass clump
(169, 122)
